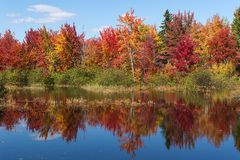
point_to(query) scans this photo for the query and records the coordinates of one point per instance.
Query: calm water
(74, 124)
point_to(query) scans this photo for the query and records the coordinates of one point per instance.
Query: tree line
(180, 44)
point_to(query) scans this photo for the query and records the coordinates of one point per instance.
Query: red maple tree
(223, 47)
(183, 56)
(9, 51)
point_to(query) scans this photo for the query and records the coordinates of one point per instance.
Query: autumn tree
(203, 34)
(9, 51)
(37, 48)
(180, 26)
(139, 42)
(129, 27)
(223, 47)
(179, 44)
(92, 52)
(68, 46)
(110, 47)
(197, 37)
(47, 47)
(183, 56)
(150, 51)
(33, 57)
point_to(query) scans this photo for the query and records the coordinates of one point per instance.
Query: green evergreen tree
(163, 58)
(167, 18)
(236, 27)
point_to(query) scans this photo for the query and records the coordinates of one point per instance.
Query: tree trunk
(132, 62)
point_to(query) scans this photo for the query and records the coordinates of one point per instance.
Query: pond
(75, 124)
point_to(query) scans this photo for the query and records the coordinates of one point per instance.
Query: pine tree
(236, 27)
(164, 25)
(162, 34)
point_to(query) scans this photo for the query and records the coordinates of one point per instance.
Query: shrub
(220, 82)
(80, 77)
(223, 75)
(198, 79)
(202, 79)
(49, 82)
(3, 90)
(35, 76)
(75, 76)
(2, 77)
(238, 68)
(223, 69)
(205, 79)
(22, 77)
(114, 77)
(62, 78)
(10, 76)
(16, 77)
(160, 79)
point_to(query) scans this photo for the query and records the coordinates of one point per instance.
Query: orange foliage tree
(139, 42)
(203, 34)
(68, 46)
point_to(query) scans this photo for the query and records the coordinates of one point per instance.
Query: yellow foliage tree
(203, 34)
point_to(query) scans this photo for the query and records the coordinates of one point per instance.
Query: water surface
(71, 124)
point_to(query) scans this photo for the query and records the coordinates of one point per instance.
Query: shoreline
(101, 89)
(114, 89)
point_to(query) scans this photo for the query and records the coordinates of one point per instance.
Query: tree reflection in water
(181, 119)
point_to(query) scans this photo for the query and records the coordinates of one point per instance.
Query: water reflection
(182, 118)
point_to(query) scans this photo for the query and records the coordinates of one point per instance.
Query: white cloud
(49, 14)
(12, 15)
(98, 29)
(36, 20)
(43, 8)
(24, 20)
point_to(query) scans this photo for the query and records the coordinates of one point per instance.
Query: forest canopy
(179, 45)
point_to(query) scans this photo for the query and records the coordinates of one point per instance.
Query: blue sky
(92, 15)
